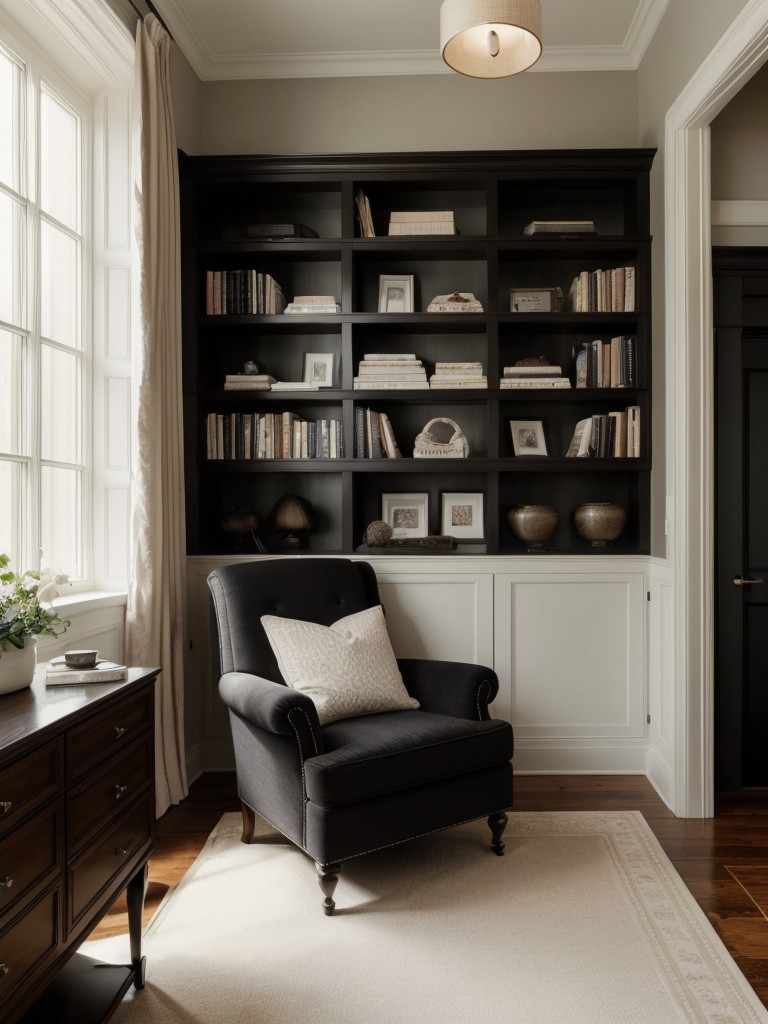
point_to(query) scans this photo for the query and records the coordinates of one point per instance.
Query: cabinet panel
(570, 649)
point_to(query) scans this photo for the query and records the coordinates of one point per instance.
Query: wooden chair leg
(249, 823)
(497, 823)
(328, 876)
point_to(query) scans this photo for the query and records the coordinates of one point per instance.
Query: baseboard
(660, 777)
(532, 759)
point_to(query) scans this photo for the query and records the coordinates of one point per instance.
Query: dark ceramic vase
(534, 524)
(600, 522)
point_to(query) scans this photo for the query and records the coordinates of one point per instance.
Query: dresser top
(27, 715)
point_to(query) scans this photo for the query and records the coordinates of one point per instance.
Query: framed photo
(407, 514)
(534, 300)
(462, 515)
(528, 437)
(318, 368)
(395, 293)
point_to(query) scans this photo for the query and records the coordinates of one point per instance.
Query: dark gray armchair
(360, 784)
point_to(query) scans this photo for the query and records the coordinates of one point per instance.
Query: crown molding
(208, 66)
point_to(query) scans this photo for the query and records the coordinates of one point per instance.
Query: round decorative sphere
(377, 534)
(534, 524)
(599, 522)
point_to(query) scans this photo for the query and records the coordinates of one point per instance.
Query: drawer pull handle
(5, 806)
(6, 882)
(119, 731)
(119, 790)
(4, 969)
(120, 851)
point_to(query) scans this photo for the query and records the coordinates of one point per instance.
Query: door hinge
(648, 595)
(648, 719)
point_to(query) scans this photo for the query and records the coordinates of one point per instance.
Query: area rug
(584, 920)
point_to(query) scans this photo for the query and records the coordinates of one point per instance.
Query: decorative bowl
(535, 524)
(80, 659)
(599, 522)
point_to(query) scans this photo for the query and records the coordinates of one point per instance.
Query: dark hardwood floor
(723, 860)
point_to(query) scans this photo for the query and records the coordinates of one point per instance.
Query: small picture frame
(395, 293)
(407, 514)
(462, 515)
(528, 437)
(535, 300)
(318, 369)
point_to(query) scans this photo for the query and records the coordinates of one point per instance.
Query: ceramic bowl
(80, 659)
(600, 522)
(535, 524)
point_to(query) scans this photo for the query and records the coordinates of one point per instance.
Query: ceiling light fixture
(490, 38)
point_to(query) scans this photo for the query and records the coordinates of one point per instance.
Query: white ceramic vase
(17, 667)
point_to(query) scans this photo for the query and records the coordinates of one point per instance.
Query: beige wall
(431, 112)
(187, 93)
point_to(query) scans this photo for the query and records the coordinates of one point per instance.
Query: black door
(741, 355)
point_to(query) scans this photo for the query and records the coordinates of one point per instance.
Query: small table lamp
(294, 517)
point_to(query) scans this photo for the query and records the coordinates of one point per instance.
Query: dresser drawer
(109, 856)
(103, 794)
(29, 782)
(108, 731)
(29, 857)
(27, 942)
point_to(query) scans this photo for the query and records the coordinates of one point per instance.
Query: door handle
(739, 581)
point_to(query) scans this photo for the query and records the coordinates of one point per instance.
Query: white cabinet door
(570, 658)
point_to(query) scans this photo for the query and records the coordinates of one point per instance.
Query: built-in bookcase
(493, 196)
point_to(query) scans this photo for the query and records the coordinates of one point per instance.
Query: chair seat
(372, 755)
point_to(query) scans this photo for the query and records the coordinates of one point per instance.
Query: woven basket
(427, 446)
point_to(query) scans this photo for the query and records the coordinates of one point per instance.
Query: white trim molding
(690, 391)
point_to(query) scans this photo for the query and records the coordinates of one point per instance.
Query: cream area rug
(582, 921)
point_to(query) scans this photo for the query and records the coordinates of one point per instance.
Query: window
(45, 390)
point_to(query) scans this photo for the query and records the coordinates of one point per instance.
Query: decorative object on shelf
(242, 523)
(294, 517)
(250, 367)
(407, 514)
(456, 302)
(377, 534)
(318, 369)
(528, 437)
(267, 232)
(462, 515)
(490, 38)
(534, 524)
(80, 659)
(535, 300)
(395, 293)
(25, 613)
(429, 444)
(599, 522)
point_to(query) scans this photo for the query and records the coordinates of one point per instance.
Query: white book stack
(458, 375)
(421, 222)
(390, 372)
(312, 305)
(533, 377)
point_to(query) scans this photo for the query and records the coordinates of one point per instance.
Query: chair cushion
(347, 669)
(378, 754)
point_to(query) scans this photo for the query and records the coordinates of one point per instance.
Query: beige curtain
(155, 618)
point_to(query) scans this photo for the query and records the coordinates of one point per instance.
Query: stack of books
(248, 382)
(312, 305)
(58, 673)
(242, 291)
(364, 215)
(421, 222)
(560, 227)
(374, 436)
(536, 376)
(603, 291)
(458, 375)
(606, 364)
(390, 372)
(295, 385)
(612, 435)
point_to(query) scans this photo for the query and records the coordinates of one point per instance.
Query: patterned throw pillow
(346, 669)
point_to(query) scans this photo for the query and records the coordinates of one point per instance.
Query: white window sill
(89, 601)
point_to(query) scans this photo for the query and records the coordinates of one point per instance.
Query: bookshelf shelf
(492, 197)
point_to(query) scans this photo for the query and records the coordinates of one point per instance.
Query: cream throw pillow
(346, 669)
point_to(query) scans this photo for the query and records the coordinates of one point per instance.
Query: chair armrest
(452, 688)
(273, 707)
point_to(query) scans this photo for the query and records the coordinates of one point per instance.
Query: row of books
(603, 291)
(272, 435)
(242, 291)
(607, 364)
(538, 375)
(374, 436)
(607, 435)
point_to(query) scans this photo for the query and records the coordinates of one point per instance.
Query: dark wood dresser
(77, 826)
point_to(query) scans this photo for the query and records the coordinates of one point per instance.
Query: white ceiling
(226, 39)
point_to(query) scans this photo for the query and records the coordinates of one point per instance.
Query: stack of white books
(311, 305)
(537, 376)
(458, 375)
(421, 222)
(390, 372)
(295, 385)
